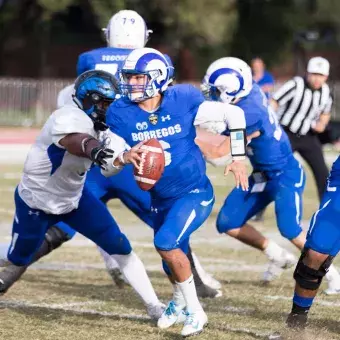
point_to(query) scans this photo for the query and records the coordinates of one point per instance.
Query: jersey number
(272, 117)
(111, 68)
(167, 154)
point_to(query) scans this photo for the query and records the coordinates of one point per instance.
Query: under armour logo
(164, 118)
(30, 212)
(141, 126)
(155, 210)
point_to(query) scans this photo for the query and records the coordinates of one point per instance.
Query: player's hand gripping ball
(151, 166)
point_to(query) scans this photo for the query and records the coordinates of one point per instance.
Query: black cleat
(297, 321)
(204, 291)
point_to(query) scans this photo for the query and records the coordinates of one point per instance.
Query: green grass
(83, 303)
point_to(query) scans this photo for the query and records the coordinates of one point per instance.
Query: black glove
(99, 154)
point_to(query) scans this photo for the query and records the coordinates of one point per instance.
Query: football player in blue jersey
(126, 31)
(277, 176)
(322, 245)
(183, 197)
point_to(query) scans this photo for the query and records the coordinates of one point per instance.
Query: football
(151, 166)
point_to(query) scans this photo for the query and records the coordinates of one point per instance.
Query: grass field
(69, 296)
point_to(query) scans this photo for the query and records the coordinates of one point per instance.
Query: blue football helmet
(95, 90)
(148, 62)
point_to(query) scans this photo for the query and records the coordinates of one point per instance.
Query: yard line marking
(253, 333)
(25, 304)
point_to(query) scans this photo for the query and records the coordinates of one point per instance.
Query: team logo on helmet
(153, 119)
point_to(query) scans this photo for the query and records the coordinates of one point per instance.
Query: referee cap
(318, 65)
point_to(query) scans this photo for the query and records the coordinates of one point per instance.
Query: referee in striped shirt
(303, 106)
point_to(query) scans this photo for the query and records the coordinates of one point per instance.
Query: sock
(273, 250)
(110, 262)
(178, 297)
(189, 292)
(301, 305)
(133, 269)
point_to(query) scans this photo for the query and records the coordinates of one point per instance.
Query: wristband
(238, 142)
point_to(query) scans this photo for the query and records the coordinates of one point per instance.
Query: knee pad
(289, 231)
(165, 242)
(55, 237)
(114, 243)
(309, 278)
(226, 222)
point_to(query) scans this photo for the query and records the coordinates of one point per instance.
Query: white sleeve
(210, 111)
(235, 120)
(118, 145)
(69, 120)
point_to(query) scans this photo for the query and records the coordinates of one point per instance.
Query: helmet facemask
(96, 105)
(141, 89)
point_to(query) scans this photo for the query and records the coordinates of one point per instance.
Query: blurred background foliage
(42, 38)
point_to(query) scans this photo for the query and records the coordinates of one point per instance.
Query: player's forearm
(80, 144)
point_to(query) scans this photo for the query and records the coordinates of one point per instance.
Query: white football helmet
(126, 29)
(227, 79)
(149, 62)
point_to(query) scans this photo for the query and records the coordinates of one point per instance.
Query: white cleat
(333, 286)
(172, 315)
(333, 278)
(155, 311)
(194, 323)
(277, 265)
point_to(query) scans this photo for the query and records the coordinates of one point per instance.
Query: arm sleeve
(285, 92)
(221, 112)
(70, 120)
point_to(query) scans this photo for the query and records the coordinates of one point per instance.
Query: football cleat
(194, 323)
(277, 265)
(204, 291)
(173, 314)
(297, 321)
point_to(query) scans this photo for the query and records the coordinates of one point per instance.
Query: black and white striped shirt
(300, 106)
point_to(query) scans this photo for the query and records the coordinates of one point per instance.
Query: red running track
(10, 135)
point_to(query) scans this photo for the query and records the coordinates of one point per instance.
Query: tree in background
(47, 35)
